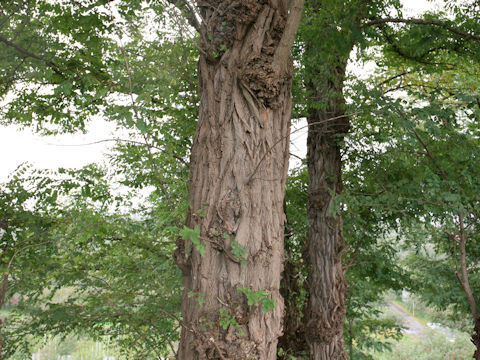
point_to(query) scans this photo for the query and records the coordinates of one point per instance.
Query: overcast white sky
(17, 147)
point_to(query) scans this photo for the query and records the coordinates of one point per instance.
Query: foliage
(106, 236)
(240, 253)
(122, 282)
(412, 156)
(90, 248)
(260, 296)
(194, 236)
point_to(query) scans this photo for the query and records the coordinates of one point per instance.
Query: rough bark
(325, 311)
(476, 339)
(238, 170)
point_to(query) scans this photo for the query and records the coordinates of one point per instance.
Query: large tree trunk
(325, 310)
(238, 171)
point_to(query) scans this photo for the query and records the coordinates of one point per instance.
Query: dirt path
(413, 326)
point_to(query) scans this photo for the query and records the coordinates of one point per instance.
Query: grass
(79, 348)
(432, 346)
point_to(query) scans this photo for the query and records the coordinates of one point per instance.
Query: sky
(19, 146)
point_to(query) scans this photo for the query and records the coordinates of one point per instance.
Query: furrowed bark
(325, 68)
(325, 311)
(238, 170)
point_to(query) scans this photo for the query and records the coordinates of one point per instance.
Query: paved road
(413, 326)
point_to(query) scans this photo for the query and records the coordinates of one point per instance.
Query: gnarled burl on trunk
(238, 170)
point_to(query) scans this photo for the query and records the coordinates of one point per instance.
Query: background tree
(57, 75)
(323, 73)
(328, 34)
(427, 136)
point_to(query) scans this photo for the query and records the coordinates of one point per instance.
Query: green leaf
(141, 125)
(240, 253)
(194, 236)
(261, 296)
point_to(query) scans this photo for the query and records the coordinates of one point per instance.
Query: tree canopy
(90, 251)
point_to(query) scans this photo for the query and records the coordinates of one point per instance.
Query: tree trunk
(238, 170)
(326, 282)
(329, 39)
(476, 339)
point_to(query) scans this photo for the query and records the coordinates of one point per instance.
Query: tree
(328, 35)
(324, 75)
(429, 137)
(61, 68)
(372, 268)
(231, 250)
(325, 67)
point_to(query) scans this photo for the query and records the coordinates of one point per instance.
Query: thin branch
(36, 235)
(464, 282)
(7, 17)
(218, 349)
(296, 156)
(296, 130)
(189, 12)
(3, 291)
(106, 140)
(29, 54)
(393, 78)
(433, 22)
(417, 58)
(430, 155)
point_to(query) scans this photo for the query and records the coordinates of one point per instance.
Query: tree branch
(29, 54)
(189, 12)
(430, 155)
(433, 22)
(282, 53)
(464, 278)
(294, 131)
